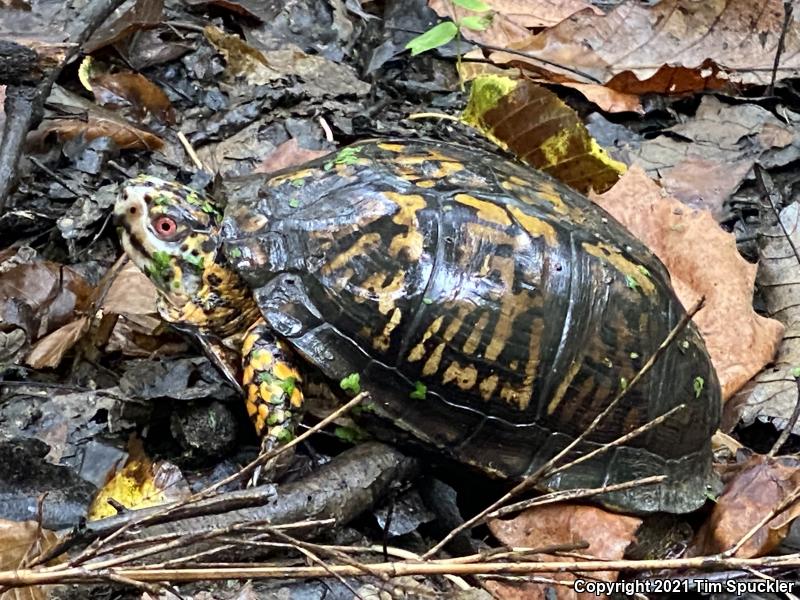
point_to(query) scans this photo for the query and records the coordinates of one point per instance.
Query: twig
(28, 577)
(191, 152)
(548, 466)
(787, 430)
(787, 17)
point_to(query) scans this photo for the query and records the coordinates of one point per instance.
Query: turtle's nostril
(132, 210)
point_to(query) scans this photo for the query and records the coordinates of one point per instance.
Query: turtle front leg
(271, 386)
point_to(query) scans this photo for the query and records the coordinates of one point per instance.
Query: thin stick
(546, 467)
(27, 577)
(190, 151)
(787, 17)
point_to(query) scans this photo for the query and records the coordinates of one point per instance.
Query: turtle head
(171, 232)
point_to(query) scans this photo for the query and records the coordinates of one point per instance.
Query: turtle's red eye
(165, 227)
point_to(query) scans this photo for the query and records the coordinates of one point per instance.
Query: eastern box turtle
(492, 312)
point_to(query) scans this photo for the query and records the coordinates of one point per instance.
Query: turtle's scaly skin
(493, 312)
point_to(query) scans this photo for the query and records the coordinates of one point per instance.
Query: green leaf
(433, 38)
(427, 301)
(795, 372)
(420, 390)
(623, 383)
(476, 5)
(351, 383)
(298, 182)
(698, 383)
(476, 22)
(294, 203)
(235, 252)
(631, 282)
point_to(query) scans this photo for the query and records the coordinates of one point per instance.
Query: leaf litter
(275, 97)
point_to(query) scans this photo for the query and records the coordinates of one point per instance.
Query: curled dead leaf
(607, 534)
(51, 349)
(126, 135)
(119, 90)
(759, 488)
(702, 260)
(670, 47)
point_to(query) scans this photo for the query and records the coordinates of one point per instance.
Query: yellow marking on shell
(383, 341)
(247, 375)
(535, 226)
(284, 370)
(411, 240)
(385, 295)
(514, 364)
(465, 377)
(399, 148)
(263, 410)
(455, 323)
(259, 424)
(426, 183)
(446, 168)
(487, 211)
(297, 398)
(614, 257)
(419, 350)
(510, 307)
(432, 364)
(292, 176)
(252, 400)
(361, 246)
(487, 386)
(474, 338)
(521, 394)
(561, 390)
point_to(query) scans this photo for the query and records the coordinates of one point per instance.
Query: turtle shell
(492, 312)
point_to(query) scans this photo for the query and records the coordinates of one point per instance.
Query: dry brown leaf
(759, 488)
(323, 76)
(117, 90)
(50, 350)
(126, 135)
(131, 293)
(20, 541)
(702, 261)
(608, 535)
(773, 394)
(673, 46)
(703, 160)
(288, 154)
(54, 293)
(139, 483)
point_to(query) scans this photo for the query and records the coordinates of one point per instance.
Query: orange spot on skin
(297, 398)
(261, 360)
(283, 371)
(247, 376)
(263, 410)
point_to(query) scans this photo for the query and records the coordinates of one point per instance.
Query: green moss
(419, 392)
